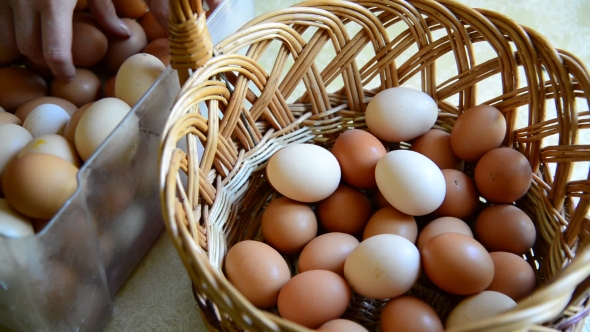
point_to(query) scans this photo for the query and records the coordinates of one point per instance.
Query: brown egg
(461, 197)
(83, 89)
(130, 8)
(389, 220)
(409, 314)
(342, 325)
(109, 87)
(6, 117)
(288, 225)
(313, 298)
(37, 185)
(257, 271)
(160, 48)
(327, 252)
(358, 152)
(503, 175)
(24, 109)
(436, 145)
(81, 5)
(153, 29)
(7, 55)
(440, 226)
(505, 228)
(380, 199)
(19, 85)
(513, 276)
(457, 264)
(477, 131)
(42, 69)
(70, 130)
(89, 43)
(121, 49)
(347, 210)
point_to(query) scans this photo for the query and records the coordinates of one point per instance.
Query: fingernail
(125, 28)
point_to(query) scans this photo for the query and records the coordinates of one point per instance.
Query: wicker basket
(239, 112)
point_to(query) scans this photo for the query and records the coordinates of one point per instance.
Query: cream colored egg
(46, 119)
(136, 75)
(52, 144)
(483, 305)
(304, 172)
(13, 138)
(6, 117)
(12, 223)
(97, 123)
(410, 182)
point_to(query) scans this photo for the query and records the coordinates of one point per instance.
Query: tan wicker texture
(239, 112)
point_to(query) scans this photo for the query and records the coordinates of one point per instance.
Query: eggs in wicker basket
(399, 202)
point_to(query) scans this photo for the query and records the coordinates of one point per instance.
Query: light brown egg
(130, 8)
(136, 76)
(461, 197)
(288, 225)
(388, 220)
(503, 175)
(89, 43)
(84, 88)
(477, 131)
(257, 271)
(160, 48)
(19, 85)
(380, 199)
(436, 145)
(6, 117)
(121, 49)
(70, 130)
(7, 55)
(313, 298)
(342, 325)
(327, 252)
(409, 314)
(440, 226)
(151, 26)
(358, 152)
(513, 276)
(109, 87)
(457, 264)
(347, 210)
(505, 227)
(37, 185)
(24, 109)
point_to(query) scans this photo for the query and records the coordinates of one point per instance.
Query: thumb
(105, 14)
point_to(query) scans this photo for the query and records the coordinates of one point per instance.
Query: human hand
(161, 9)
(42, 29)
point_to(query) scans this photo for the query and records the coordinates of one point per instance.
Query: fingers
(106, 16)
(161, 11)
(56, 28)
(7, 38)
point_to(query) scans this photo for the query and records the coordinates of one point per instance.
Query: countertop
(157, 296)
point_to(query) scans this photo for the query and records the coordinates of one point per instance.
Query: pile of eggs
(49, 126)
(359, 218)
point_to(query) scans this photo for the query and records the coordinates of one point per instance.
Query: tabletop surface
(157, 296)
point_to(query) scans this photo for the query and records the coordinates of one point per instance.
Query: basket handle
(190, 42)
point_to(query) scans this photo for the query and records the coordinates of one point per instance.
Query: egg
(461, 196)
(388, 220)
(400, 114)
(70, 129)
(457, 264)
(327, 252)
(121, 49)
(436, 145)
(410, 182)
(477, 131)
(2, 110)
(160, 48)
(19, 85)
(37, 185)
(109, 87)
(257, 271)
(25, 109)
(151, 26)
(383, 266)
(136, 75)
(81, 5)
(380, 199)
(505, 227)
(84, 88)
(12, 223)
(358, 152)
(503, 175)
(513, 276)
(130, 8)
(46, 119)
(89, 43)
(313, 298)
(342, 325)
(52, 144)
(440, 226)
(347, 210)
(477, 307)
(8, 55)
(6, 117)
(304, 172)
(288, 225)
(409, 314)
(97, 123)
(13, 138)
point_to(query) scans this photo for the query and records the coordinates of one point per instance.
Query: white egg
(13, 138)
(46, 119)
(400, 114)
(410, 182)
(483, 305)
(12, 223)
(52, 144)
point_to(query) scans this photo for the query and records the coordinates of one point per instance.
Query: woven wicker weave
(239, 112)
